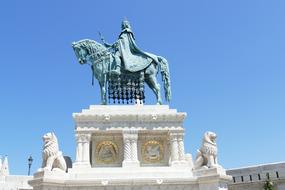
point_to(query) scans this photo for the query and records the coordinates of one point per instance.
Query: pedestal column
(177, 148)
(134, 149)
(83, 150)
(78, 149)
(181, 151)
(174, 147)
(127, 150)
(130, 137)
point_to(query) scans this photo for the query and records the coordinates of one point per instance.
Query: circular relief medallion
(107, 152)
(152, 151)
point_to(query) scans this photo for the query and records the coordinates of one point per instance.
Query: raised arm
(107, 44)
(104, 42)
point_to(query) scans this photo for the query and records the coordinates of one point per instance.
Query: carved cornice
(128, 124)
(89, 127)
(109, 118)
(111, 113)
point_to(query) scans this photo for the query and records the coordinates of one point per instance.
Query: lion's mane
(209, 145)
(50, 147)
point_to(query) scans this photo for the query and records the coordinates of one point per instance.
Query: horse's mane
(91, 45)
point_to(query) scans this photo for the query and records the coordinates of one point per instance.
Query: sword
(102, 38)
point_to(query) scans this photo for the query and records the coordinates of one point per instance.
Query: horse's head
(84, 49)
(80, 51)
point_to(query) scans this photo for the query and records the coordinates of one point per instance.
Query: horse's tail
(164, 70)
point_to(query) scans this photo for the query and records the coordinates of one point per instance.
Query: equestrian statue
(122, 68)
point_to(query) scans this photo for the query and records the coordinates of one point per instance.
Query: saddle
(136, 65)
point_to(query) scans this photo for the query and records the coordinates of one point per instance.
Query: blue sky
(226, 62)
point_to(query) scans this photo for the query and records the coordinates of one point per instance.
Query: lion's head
(50, 146)
(209, 145)
(210, 137)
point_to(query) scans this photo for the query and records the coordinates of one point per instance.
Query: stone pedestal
(212, 178)
(131, 147)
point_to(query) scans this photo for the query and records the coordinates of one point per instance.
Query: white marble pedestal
(212, 178)
(131, 147)
(130, 179)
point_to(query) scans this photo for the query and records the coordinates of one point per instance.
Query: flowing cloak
(133, 58)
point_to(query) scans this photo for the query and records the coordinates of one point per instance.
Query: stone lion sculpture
(52, 157)
(207, 154)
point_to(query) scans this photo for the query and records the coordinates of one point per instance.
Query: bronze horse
(102, 61)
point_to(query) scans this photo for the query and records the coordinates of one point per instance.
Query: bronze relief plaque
(107, 152)
(152, 151)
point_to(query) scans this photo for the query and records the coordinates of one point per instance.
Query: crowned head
(126, 24)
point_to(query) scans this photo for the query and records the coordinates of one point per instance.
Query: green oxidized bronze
(122, 68)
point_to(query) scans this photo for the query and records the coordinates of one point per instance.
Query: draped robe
(132, 57)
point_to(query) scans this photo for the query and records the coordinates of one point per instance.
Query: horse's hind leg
(155, 87)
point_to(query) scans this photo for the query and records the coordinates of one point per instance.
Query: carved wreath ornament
(152, 151)
(107, 152)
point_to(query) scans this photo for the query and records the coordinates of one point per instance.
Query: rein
(101, 53)
(97, 57)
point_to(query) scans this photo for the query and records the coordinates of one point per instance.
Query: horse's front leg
(103, 90)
